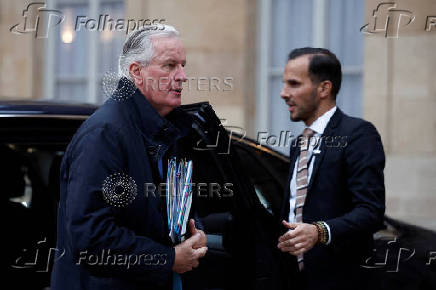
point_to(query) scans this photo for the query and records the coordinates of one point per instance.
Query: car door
(241, 226)
(31, 148)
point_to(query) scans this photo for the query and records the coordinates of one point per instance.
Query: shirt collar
(321, 123)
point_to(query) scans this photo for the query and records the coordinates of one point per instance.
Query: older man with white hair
(110, 234)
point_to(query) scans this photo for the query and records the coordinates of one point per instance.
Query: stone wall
(219, 38)
(400, 99)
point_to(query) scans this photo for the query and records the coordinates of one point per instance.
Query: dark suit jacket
(123, 136)
(346, 190)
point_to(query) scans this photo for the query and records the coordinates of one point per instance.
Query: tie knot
(308, 132)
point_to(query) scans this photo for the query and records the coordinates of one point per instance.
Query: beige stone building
(236, 51)
(400, 98)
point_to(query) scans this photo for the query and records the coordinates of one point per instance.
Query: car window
(29, 178)
(267, 173)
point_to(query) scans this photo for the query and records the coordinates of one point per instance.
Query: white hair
(139, 46)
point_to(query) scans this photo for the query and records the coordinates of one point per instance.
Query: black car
(241, 223)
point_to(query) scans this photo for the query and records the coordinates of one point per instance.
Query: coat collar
(157, 131)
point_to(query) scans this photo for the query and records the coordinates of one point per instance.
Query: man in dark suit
(335, 198)
(112, 231)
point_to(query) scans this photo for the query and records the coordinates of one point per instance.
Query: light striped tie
(302, 182)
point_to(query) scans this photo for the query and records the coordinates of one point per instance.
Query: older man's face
(163, 77)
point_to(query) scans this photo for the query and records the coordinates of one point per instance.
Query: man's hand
(193, 230)
(299, 239)
(190, 251)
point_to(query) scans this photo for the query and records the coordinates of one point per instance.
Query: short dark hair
(323, 65)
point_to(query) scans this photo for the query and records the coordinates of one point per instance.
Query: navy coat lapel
(329, 131)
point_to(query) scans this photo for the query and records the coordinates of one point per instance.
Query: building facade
(236, 51)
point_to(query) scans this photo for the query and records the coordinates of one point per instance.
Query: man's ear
(135, 72)
(325, 89)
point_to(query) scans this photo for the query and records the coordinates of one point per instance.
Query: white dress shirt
(318, 127)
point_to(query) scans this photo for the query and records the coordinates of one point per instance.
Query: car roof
(35, 108)
(42, 109)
